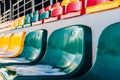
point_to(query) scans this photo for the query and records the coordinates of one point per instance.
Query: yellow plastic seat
(15, 46)
(21, 22)
(4, 42)
(16, 23)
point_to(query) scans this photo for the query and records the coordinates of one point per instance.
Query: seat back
(21, 21)
(46, 13)
(35, 45)
(95, 2)
(27, 19)
(1, 36)
(16, 22)
(35, 16)
(108, 55)
(57, 10)
(5, 41)
(16, 43)
(69, 49)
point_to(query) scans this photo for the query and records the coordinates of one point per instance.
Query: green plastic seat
(68, 54)
(35, 16)
(45, 15)
(33, 51)
(27, 21)
(107, 62)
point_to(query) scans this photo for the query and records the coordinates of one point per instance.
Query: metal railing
(18, 10)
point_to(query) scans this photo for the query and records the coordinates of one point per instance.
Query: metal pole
(0, 9)
(42, 4)
(4, 6)
(11, 10)
(56, 1)
(24, 7)
(33, 6)
(18, 7)
(51, 2)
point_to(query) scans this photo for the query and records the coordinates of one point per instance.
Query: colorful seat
(15, 46)
(46, 14)
(5, 40)
(56, 12)
(107, 62)
(68, 54)
(73, 8)
(16, 21)
(35, 17)
(101, 5)
(21, 22)
(33, 50)
(27, 22)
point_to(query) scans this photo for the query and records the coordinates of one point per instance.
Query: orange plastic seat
(15, 46)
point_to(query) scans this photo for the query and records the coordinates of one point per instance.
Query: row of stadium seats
(69, 58)
(28, 50)
(58, 11)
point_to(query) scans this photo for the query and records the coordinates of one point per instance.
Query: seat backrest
(35, 16)
(69, 48)
(27, 19)
(95, 2)
(46, 13)
(21, 21)
(108, 54)
(16, 22)
(5, 41)
(1, 36)
(17, 42)
(57, 10)
(35, 45)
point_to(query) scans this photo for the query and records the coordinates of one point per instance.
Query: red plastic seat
(57, 11)
(73, 9)
(95, 2)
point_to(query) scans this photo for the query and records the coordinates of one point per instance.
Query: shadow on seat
(68, 55)
(33, 50)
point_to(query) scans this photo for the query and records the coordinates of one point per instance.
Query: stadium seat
(107, 62)
(68, 54)
(15, 46)
(27, 22)
(101, 5)
(35, 18)
(33, 50)
(16, 21)
(56, 12)
(21, 22)
(73, 8)
(4, 42)
(40, 21)
(46, 14)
